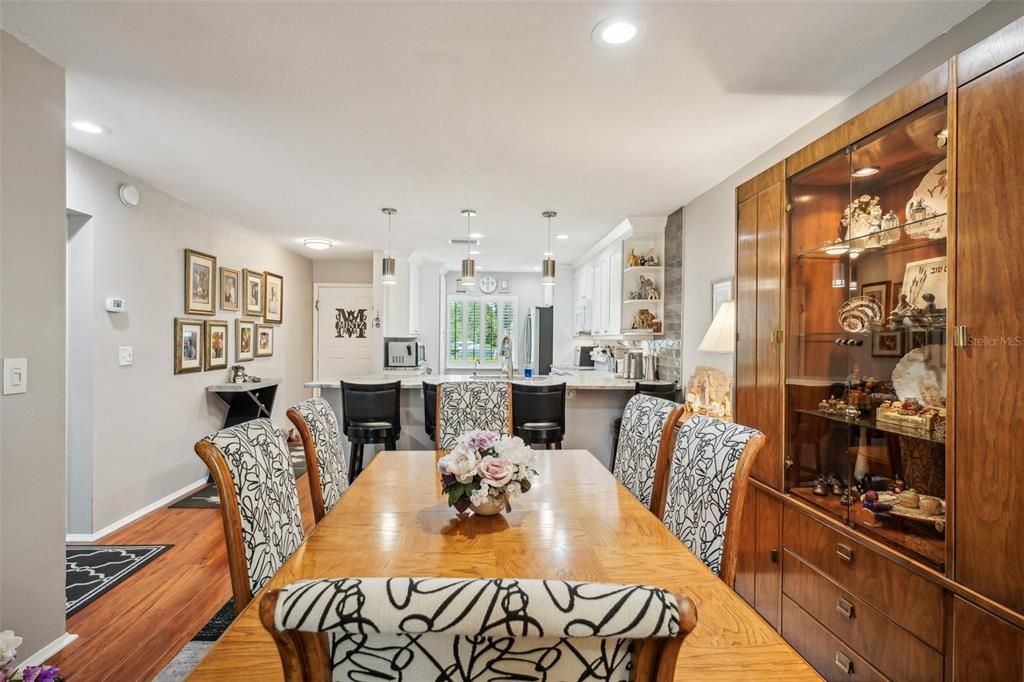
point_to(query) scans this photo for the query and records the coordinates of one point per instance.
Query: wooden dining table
(577, 523)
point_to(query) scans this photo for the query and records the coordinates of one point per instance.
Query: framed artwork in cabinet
(880, 291)
(887, 344)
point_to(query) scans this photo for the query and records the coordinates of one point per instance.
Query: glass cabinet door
(866, 351)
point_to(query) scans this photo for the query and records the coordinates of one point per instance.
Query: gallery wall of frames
(879, 349)
(203, 345)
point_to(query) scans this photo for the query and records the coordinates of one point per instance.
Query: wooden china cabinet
(880, 346)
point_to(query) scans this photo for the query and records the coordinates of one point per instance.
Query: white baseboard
(121, 523)
(39, 657)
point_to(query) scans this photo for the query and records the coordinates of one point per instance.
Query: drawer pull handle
(844, 607)
(844, 663)
(845, 552)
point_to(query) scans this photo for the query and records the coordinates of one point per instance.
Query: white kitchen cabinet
(615, 287)
(601, 296)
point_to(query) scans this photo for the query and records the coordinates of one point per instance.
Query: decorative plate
(928, 200)
(859, 313)
(921, 374)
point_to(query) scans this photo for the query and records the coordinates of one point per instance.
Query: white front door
(343, 329)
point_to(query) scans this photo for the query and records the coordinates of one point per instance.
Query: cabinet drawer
(907, 598)
(831, 658)
(890, 648)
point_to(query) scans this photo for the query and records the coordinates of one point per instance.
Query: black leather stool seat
(371, 414)
(538, 413)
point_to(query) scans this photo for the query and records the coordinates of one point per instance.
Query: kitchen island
(593, 400)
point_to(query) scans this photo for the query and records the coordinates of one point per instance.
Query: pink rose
(496, 471)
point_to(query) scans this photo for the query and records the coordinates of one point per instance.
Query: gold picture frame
(200, 283)
(215, 345)
(188, 345)
(273, 304)
(245, 340)
(230, 288)
(254, 286)
(264, 340)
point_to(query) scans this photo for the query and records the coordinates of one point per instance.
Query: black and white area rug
(92, 570)
(207, 497)
(188, 658)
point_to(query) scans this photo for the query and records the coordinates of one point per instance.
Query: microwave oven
(403, 354)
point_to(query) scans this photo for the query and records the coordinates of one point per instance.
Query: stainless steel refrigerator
(538, 334)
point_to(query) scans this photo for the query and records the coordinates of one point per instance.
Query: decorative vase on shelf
(492, 506)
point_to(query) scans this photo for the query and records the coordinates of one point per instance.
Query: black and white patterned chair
(472, 405)
(706, 494)
(640, 435)
(259, 503)
(325, 456)
(458, 630)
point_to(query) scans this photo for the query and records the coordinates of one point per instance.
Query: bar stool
(430, 410)
(538, 413)
(655, 389)
(371, 414)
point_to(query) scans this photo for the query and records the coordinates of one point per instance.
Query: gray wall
(666, 349)
(147, 419)
(709, 232)
(344, 271)
(33, 235)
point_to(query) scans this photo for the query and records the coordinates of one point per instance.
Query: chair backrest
(467, 405)
(259, 503)
(371, 403)
(708, 468)
(658, 389)
(444, 628)
(430, 408)
(538, 403)
(640, 437)
(325, 456)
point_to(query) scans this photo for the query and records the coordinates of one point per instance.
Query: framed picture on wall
(188, 346)
(230, 286)
(245, 338)
(254, 284)
(721, 291)
(200, 283)
(264, 340)
(215, 355)
(274, 306)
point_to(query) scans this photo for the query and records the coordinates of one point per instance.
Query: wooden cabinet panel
(770, 202)
(985, 648)
(912, 601)
(890, 648)
(833, 659)
(768, 558)
(1000, 47)
(989, 504)
(744, 581)
(745, 409)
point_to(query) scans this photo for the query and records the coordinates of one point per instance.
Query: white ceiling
(302, 119)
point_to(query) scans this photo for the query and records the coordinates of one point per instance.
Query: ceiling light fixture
(318, 244)
(475, 235)
(387, 264)
(615, 31)
(547, 266)
(468, 277)
(89, 127)
(561, 236)
(865, 171)
(837, 248)
(474, 252)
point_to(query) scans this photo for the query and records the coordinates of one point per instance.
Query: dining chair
(259, 502)
(430, 410)
(460, 629)
(655, 389)
(640, 440)
(472, 405)
(325, 455)
(539, 412)
(370, 413)
(706, 470)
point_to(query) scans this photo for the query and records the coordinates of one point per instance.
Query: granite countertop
(586, 380)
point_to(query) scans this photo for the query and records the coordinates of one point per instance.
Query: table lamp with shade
(709, 388)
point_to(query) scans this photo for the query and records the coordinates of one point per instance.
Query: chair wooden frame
(737, 501)
(306, 656)
(230, 514)
(316, 495)
(437, 413)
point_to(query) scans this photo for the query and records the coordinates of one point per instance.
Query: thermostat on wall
(117, 305)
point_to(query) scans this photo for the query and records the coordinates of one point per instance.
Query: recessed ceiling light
(318, 244)
(865, 171)
(89, 127)
(561, 236)
(615, 31)
(474, 252)
(536, 268)
(475, 235)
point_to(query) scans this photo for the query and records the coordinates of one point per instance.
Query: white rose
(515, 450)
(460, 463)
(9, 643)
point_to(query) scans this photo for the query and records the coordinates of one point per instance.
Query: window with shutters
(475, 327)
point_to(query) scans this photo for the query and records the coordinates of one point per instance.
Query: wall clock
(488, 285)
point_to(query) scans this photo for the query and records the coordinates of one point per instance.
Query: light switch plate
(125, 355)
(15, 375)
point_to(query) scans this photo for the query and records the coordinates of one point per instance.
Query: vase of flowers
(486, 471)
(9, 643)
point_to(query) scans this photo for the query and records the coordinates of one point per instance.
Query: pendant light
(547, 267)
(387, 264)
(468, 264)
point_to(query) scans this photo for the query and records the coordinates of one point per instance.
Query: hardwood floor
(134, 630)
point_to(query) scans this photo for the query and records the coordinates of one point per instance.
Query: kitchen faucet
(506, 347)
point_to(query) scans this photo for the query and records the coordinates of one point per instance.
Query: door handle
(844, 607)
(960, 337)
(845, 552)
(844, 663)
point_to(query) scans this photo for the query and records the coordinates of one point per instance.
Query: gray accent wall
(666, 348)
(33, 236)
